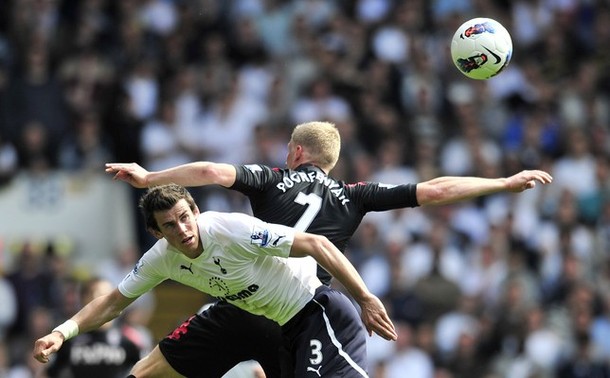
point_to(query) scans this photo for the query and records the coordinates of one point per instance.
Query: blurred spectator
(390, 41)
(583, 363)
(274, 26)
(392, 167)
(87, 148)
(369, 255)
(35, 150)
(408, 360)
(158, 16)
(244, 42)
(85, 25)
(38, 322)
(37, 97)
(455, 329)
(437, 293)
(471, 148)
(8, 160)
(270, 148)
(372, 11)
(564, 238)
(227, 128)
(320, 102)
(543, 346)
(87, 76)
(161, 141)
(217, 73)
(434, 254)
(132, 46)
(32, 286)
(183, 89)
(8, 310)
(143, 89)
(574, 171)
(106, 352)
(487, 271)
(509, 315)
(600, 329)
(123, 127)
(421, 88)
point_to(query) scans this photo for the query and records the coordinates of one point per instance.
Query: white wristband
(69, 329)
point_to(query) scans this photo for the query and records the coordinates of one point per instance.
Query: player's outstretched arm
(448, 189)
(96, 313)
(373, 313)
(192, 174)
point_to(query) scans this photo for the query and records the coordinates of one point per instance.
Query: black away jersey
(309, 200)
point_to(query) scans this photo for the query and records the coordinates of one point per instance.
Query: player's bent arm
(192, 174)
(448, 189)
(325, 253)
(96, 313)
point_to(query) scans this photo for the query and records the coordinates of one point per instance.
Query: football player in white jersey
(242, 260)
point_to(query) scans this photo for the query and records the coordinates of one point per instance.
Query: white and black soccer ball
(481, 48)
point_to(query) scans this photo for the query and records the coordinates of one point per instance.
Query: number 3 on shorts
(316, 352)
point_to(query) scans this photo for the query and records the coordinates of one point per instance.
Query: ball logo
(481, 48)
(478, 29)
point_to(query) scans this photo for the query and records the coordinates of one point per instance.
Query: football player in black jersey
(305, 197)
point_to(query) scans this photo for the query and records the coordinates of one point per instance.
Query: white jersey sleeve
(147, 273)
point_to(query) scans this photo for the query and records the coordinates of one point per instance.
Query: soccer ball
(481, 48)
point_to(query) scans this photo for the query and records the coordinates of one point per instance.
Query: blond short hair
(321, 140)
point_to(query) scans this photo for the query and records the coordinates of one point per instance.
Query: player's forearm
(193, 174)
(189, 174)
(96, 313)
(445, 190)
(335, 263)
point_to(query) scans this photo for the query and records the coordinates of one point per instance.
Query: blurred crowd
(504, 286)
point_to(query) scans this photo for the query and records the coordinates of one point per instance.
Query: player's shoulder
(256, 175)
(214, 222)
(260, 168)
(359, 186)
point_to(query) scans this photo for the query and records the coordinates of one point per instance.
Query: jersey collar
(309, 167)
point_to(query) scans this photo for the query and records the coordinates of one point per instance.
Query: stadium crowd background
(504, 286)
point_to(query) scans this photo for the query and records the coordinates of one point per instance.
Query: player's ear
(196, 210)
(298, 152)
(156, 233)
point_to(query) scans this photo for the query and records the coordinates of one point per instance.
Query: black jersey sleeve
(253, 178)
(374, 196)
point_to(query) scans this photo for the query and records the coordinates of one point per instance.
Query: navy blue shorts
(325, 337)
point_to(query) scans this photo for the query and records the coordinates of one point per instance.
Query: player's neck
(310, 164)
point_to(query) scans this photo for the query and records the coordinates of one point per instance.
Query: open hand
(131, 173)
(376, 319)
(527, 180)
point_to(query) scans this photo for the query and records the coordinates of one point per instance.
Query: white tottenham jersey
(243, 262)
